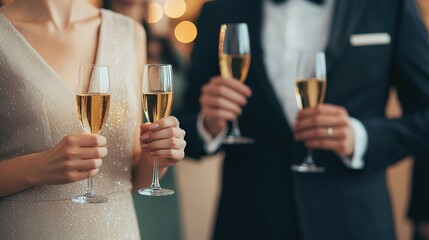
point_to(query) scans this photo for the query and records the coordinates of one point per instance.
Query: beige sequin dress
(37, 109)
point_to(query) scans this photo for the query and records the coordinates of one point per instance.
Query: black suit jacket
(261, 197)
(419, 201)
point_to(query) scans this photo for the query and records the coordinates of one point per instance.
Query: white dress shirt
(287, 29)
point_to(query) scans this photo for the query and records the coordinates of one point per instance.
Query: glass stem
(90, 187)
(235, 129)
(155, 175)
(309, 159)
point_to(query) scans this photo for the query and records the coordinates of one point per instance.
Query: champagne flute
(310, 87)
(234, 62)
(157, 101)
(92, 105)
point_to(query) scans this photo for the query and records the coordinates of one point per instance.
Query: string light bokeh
(176, 13)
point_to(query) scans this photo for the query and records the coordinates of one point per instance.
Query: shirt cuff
(211, 144)
(360, 146)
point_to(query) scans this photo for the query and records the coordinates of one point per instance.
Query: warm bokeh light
(185, 32)
(155, 12)
(174, 8)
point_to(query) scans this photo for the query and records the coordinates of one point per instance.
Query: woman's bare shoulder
(139, 32)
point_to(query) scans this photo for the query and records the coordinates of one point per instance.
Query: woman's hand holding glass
(74, 158)
(163, 139)
(221, 101)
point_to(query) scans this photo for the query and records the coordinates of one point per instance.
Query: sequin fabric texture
(37, 109)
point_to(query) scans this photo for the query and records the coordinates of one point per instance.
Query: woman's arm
(75, 158)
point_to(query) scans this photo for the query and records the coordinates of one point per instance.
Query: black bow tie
(313, 1)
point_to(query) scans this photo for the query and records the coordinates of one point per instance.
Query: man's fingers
(233, 84)
(221, 103)
(217, 113)
(326, 109)
(319, 120)
(223, 91)
(334, 145)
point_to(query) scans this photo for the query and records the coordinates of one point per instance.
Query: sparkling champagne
(157, 105)
(93, 109)
(310, 92)
(234, 66)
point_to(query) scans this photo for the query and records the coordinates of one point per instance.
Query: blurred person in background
(155, 215)
(44, 156)
(371, 46)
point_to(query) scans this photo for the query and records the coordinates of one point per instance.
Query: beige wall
(424, 5)
(399, 177)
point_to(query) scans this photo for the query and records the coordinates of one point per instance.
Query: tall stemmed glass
(92, 105)
(310, 87)
(234, 62)
(157, 101)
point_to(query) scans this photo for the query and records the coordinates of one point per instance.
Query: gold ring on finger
(330, 132)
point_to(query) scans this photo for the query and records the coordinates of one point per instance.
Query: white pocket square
(368, 39)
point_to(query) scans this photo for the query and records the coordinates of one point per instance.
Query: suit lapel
(347, 15)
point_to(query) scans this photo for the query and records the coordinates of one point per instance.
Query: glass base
(155, 192)
(90, 199)
(308, 168)
(237, 140)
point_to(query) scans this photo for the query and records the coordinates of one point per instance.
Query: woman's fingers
(166, 162)
(172, 154)
(83, 165)
(85, 140)
(91, 152)
(163, 134)
(165, 128)
(167, 143)
(164, 140)
(81, 175)
(166, 122)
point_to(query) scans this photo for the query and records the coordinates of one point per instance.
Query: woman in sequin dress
(43, 155)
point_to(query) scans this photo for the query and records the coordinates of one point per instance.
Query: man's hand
(221, 101)
(326, 127)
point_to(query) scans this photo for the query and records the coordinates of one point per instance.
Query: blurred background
(189, 214)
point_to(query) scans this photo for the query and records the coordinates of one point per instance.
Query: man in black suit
(370, 45)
